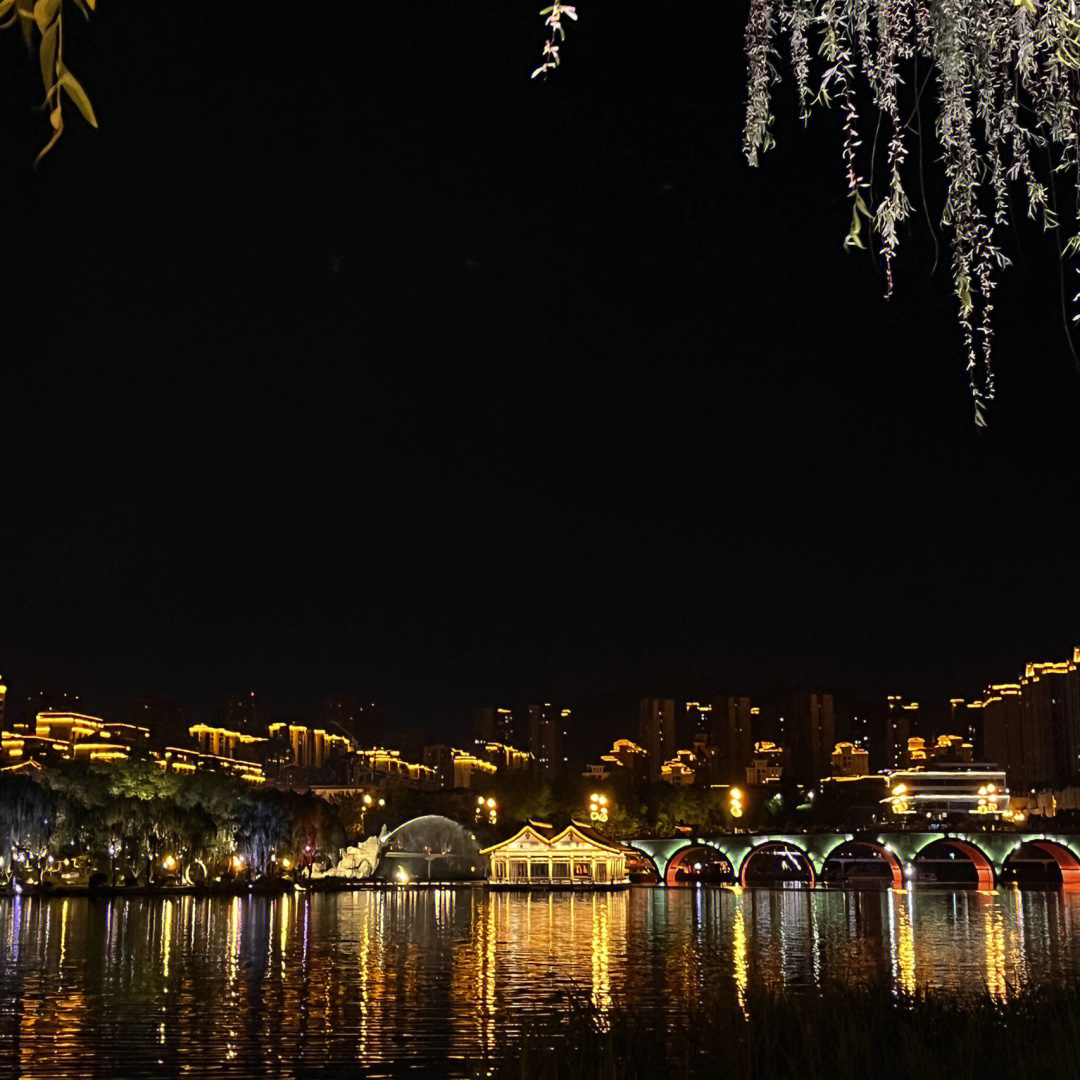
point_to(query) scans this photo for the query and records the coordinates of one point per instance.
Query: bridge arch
(984, 867)
(703, 859)
(1063, 857)
(777, 847)
(851, 848)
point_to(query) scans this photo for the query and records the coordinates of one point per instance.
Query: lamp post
(487, 811)
(598, 808)
(735, 806)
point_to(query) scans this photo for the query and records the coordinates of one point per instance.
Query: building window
(519, 869)
(500, 870)
(560, 870)
(581, 870)
(540, 870)
(601, 871)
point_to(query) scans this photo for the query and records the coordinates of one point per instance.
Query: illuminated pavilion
(539, 857)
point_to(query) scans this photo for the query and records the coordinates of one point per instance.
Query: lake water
(375, 983)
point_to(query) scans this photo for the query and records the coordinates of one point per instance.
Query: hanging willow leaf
(76, 93)
(47, 55)
(45, 12)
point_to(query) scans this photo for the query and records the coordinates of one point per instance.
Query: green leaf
(77, 94)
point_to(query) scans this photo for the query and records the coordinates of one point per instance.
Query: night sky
(344, 357)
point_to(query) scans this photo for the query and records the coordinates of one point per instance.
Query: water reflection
(264, 987)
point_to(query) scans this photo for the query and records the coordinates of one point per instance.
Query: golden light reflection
(166, 938)
(286, 914)
(903, 943)
(740, 952)
(601, 955)
(64, 910)
(996, 982)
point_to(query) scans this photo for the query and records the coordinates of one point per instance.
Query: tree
(1006, 81)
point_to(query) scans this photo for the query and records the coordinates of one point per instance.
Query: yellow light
(900, 789)
(736, 794)
(480, 801)
(491, 804)
(736, 811)
(286, 863)
(168, 862)
(238, 862)
(367, 800)
(603, 800)
(402, 877)
(594, 798)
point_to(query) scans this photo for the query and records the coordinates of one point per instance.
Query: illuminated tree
(1006, 83)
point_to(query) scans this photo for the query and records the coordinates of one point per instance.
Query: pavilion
(539, 857)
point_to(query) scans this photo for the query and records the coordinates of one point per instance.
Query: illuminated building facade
(505, 758)
(384, 768)
(310, 747)
(680, 771)
(1050, 707)
(766, 763)
(942, 789)
(626, 763)
(850, 760)
(539, 857)
(457, 768)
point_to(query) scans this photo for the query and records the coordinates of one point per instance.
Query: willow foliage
(44, 20)
(1006, 116)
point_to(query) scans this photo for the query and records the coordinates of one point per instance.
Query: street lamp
(487, 810)
(598, 807)
(735, 807)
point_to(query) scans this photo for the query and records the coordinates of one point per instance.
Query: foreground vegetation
(838, 1034)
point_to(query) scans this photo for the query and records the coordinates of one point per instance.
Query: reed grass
(839, 1033)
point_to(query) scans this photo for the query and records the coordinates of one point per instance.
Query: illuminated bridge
(982, 859)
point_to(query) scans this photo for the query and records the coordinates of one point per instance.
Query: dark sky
(343, 357)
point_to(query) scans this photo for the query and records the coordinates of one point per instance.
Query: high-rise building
(363, 723)
(966, 718)
(1003, 732)
(246, 713)
(695, 721)
(495, 725)
(888, 730)
(810, 735)
(1050, 706)
(732, 733)
(656, 732)
(548, 728)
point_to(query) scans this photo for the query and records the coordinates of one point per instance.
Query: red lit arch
(890, 857)
(1066, 861)
(773, 845)
(681, 857)
(984, 868)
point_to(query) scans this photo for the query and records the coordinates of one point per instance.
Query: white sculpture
(358, 863)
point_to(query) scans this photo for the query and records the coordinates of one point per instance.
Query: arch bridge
(905, 855)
